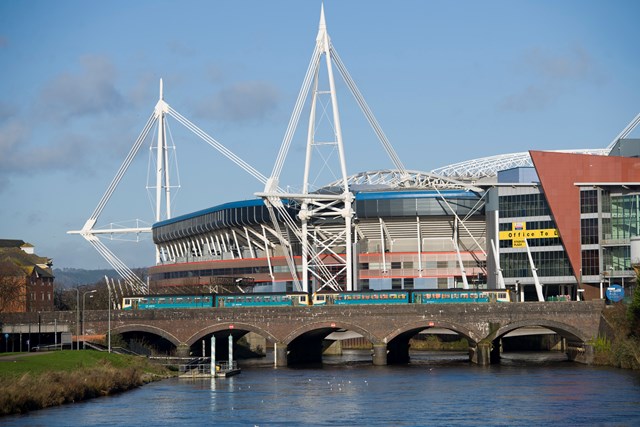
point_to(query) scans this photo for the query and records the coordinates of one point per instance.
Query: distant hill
(72, 277)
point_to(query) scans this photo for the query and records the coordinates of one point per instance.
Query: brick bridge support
(297, 332)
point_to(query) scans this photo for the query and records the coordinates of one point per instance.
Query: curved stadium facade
(545, 224)
(564, 221)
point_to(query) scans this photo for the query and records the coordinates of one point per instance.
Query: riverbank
(620, 345)
(31, 381)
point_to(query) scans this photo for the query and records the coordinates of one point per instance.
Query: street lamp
(84, 294)
(109, 316)
(77, 320)
(611, 276)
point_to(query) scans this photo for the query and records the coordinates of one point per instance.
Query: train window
(127, 301)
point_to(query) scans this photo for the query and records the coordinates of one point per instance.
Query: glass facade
(625, 219)
(523, 205)
(463, 204)
(551, 263)
(516, 209)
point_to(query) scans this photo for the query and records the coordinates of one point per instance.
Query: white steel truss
(391, 178)
(321, 262)
(487, 167)
(162, 187)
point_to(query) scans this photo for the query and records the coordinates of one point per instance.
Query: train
(432, 296)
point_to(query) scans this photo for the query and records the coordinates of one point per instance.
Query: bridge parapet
(380, 324)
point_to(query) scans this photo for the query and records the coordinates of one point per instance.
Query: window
(590, 263)
(408, 283)
(521, 205)
(589, 201)
(589, 231)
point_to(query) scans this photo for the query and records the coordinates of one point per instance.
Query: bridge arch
(408, 328)
(137, 327)
(305, 343)
(562, 329)
(230, 326)
(329, 325)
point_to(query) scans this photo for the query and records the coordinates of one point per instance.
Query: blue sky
(448, 81)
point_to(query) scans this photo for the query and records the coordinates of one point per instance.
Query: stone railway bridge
(297, 333)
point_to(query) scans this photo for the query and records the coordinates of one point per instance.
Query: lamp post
(77, 319)
(84, 294)
(109, 318)
(611, 276)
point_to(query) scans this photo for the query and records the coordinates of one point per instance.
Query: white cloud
(550, 76)
(91, 91)
(241, 102)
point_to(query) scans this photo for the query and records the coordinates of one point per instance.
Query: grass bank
(31, 381)
(621, 347)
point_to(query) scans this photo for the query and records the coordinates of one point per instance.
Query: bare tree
(12, 288)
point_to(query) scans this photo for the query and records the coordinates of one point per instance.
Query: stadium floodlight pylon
(317, 248)
(162, 188)
(322, 247)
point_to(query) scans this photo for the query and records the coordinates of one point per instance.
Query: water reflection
(436, 388)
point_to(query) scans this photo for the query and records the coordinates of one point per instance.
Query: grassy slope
(39, 380)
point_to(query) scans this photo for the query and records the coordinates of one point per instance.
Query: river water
(436, 389)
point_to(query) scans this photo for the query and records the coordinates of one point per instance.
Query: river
(436, 389)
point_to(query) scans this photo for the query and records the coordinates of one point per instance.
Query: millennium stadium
(544, 224)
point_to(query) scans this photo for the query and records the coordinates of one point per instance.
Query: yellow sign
(546, 233)
(519, 233)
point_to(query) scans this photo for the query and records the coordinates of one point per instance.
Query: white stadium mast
(162, 187)
(321, 246)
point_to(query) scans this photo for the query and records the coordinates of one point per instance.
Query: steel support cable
(461, 222)
(286, 248)
(367, 111)
(323, 273)
(297, 110)
(122, 269)
(215, 144)
(123, 168)
(117, 264)
(626, 131)
(322, 268)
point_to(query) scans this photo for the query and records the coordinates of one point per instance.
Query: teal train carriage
(461, 296)
(434, 296)
(167, 301)
(261, 300)
(361, 298)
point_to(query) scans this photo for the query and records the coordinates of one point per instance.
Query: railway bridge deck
(297, 333)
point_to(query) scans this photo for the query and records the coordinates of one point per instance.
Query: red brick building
(26, 280)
